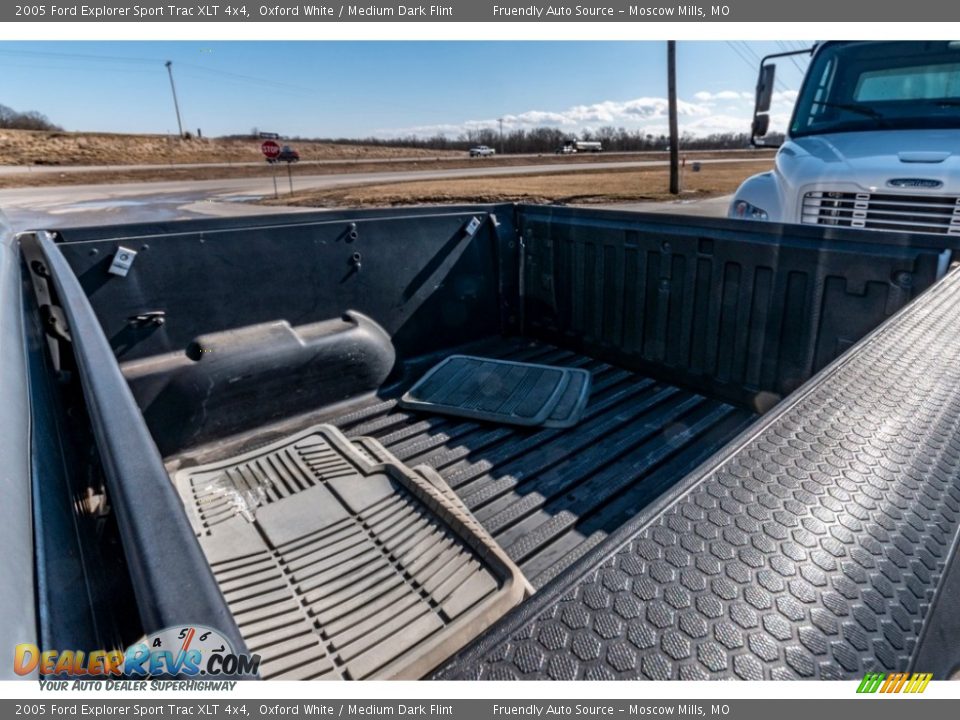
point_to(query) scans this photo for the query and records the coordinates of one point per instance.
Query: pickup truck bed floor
(549, 495)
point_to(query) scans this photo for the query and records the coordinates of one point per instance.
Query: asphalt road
(65, 206)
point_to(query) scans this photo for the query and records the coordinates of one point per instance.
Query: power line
(750, 51)
(33, 66)
(79, 56)
(247, 78)
(758, 60)
(205, 79)
(787, 48)
(750, 64)
(157, 61)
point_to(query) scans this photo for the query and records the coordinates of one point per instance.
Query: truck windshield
(879, 86)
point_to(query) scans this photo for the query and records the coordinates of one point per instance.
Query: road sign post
(271, 151)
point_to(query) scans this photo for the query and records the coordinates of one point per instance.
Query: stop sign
(270, 148)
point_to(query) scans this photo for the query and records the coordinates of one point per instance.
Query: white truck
(873, 143)
(482, 151)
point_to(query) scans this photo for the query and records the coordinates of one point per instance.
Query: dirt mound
(29, 147)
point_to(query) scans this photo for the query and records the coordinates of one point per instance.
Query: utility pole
(173, 88)
(672, 98)
(500, 120)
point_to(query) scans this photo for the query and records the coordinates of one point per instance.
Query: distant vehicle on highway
(482, 151)
(577, 146)
(287, 154)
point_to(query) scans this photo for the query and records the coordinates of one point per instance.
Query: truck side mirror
(761, 124)
(765, 88)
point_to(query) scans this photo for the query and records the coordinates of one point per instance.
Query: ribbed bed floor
(548, 495)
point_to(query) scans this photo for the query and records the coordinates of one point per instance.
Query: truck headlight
(745, 211)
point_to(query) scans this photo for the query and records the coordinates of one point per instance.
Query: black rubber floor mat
(339, 563)
(502, 391)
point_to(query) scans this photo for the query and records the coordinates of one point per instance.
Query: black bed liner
(549, 495)
(814, 545)
(817, 545)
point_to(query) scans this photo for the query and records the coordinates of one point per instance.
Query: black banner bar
(223, 706)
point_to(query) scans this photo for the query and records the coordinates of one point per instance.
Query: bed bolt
(356, 259)
(352, 233)
(122, 261)
(903, 279)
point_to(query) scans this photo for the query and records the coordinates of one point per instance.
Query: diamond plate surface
(814, 549)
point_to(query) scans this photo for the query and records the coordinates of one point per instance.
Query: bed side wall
(743, 311)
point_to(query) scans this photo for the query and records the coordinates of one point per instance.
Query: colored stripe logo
(894, 683)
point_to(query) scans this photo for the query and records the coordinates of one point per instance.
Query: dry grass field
(30, 147)
(589, 186)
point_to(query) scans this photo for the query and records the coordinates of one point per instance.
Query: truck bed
(547, 496)
(690, 332)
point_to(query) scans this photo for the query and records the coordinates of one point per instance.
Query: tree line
(549, 139)
(534, 140)
(10, 119)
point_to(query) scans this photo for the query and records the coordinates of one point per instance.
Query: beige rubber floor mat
(339, 562)
(377, 453)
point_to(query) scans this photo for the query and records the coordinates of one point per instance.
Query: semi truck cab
(578, 146)
(873, 142)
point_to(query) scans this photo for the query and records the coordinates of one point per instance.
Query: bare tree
(10, 119)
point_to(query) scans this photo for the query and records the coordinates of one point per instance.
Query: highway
(64, 206)
(63, 169)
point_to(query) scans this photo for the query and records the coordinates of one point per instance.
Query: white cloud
(647, 114)
(785, 96)
(717, 124)
(705, 96)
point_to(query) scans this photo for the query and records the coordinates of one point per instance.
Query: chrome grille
(879, 211)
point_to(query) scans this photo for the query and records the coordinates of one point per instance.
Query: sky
(388, 89)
